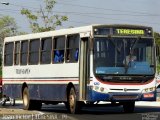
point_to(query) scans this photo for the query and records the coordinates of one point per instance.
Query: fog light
(148, 95)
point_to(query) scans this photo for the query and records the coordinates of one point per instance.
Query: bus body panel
(48, 82)
(42, 92)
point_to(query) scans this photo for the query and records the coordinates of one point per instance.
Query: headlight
(146, 90)
(100, 89)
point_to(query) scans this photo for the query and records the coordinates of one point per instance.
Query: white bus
(77, 66)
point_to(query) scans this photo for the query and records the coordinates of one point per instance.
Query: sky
(87, 12)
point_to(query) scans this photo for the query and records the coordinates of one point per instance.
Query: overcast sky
(86, 12)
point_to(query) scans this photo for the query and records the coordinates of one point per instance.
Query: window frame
(11, 52)
(43, 51)
(24, 52)
(55, 48)
(37, 60)
(17, 52)
(72, 48)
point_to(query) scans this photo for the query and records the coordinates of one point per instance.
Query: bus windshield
(123, 56)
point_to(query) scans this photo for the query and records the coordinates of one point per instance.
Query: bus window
(24, 52)
(46, 47)
(8, 54)
(72, 49)
(34, 51)
(58, 50)
(16, 53)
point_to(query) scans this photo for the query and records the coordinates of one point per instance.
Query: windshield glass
(123, 56)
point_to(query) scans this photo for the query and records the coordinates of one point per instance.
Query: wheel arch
(69, 86)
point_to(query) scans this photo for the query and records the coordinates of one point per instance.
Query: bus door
(83, 66)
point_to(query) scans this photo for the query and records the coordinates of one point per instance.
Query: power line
(91, 14)
(144, 13)
(84, 6)
(81, 13)
(87, 15)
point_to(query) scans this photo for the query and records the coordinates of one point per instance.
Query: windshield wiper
(130, 56)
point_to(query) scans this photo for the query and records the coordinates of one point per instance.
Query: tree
(157, 39)
(8, 28)
(44, 19)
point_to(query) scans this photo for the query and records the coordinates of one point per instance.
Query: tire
(128, 107)
(36, 105)
(29, 104)
(72, 104)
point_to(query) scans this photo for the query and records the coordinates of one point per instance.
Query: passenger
(131, 57)
(76, 54)
(58, 57)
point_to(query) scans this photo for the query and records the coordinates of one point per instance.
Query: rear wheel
(72, 104)
(29, 104)
(128, 107)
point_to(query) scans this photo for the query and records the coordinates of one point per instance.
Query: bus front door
(83, 68)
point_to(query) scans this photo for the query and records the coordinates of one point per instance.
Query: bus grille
(125, 97)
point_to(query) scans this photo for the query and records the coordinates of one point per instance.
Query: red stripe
(40, 80)
(112, 83)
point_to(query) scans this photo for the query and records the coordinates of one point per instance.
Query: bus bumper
(97, 96)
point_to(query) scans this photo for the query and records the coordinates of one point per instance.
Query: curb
(139, 103)
(153, 104)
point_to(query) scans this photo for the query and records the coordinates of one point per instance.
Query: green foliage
(157, 38)
(8, 27)
(158, 68)
(44, 19)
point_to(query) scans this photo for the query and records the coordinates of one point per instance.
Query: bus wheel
(27, 103)
(128, 107)
(74, 106)
(36, 105)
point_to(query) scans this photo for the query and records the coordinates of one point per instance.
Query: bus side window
(16, 53)
(46, 48)
(24, 52)
(8, 54)
(34, 51)
(58, 49)
(72, 48)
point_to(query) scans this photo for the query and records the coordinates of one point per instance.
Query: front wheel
(128, 107)
(73, 105)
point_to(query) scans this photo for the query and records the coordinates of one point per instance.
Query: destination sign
(130, 32)
(124, 31)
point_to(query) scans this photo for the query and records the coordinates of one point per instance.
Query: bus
(83, 65)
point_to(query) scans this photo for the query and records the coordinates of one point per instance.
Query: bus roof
(67, 31)
(50, 33)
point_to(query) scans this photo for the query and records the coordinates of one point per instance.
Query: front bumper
(123, 96)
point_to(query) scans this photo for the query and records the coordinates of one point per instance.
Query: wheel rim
(72, 101)
(25, 99)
